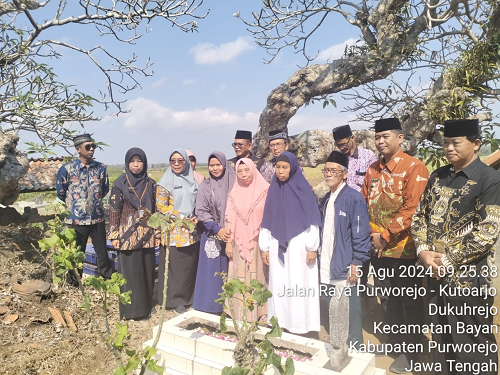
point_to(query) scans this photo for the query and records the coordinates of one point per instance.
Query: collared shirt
(392, 192)
(459, 216)
(359, 162)
(258, 161)
(328, 240)
(82, 189)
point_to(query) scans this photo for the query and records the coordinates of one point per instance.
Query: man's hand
(265, 257)
(115, 244)
(194, 220)
(352, 276)
(310, 257)
(432, 259)
(378, 244)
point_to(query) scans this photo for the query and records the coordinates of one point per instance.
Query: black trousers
(475, 357)
(97, 233)
(399, 310)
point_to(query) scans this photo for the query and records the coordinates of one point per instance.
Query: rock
(34, 287)
(10, 318)
(339, 331)
(321, 189)
(312, 147)
(13, 166)
(3, 310)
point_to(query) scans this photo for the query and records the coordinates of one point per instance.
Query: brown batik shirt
(392, 192)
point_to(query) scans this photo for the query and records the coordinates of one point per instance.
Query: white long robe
(294, 284)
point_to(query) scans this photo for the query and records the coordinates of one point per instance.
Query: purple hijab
(220, 186)
(291, 206)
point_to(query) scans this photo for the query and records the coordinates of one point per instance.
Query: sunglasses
(238, 145)
(91, 146)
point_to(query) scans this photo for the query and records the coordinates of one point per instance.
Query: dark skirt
(182, 266)
(209, 285)
(138, 268)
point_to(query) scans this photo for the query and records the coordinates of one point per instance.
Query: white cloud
(158, 83)
(222, 87)
(208, 53)
(188, 82)
(146, 113)
(335, 52)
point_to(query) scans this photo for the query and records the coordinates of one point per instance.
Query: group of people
(261, 220)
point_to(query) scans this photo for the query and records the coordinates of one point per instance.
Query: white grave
(186, 352)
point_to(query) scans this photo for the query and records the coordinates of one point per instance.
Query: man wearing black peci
(455, 229)
(243, 148)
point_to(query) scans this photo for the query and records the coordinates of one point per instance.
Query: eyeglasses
(177, 161)
(91, 146)
(343, 145)
(277, 145)
(238, 145)
(332, 171)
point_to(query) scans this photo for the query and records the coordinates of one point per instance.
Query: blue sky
(206, 84)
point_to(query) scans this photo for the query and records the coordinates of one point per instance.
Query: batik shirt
(392, 192)
(82, 189)
(125, 224)
(359, 162)
(179, 236)
(459, 216)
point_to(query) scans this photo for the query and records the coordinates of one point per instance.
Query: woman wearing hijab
(289, 239)
(244, 216)
(211, 210)
(176, 195)
(132, 193)
(192, 159)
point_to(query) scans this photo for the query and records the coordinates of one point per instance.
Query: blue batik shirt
(82, 189)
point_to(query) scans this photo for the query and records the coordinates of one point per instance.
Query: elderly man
(345, 246)
(455, 228)
(359, 158)
(243, 148)
(82, 184)
(278, 143)
(392, 189)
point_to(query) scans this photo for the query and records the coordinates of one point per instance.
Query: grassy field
(313, 175)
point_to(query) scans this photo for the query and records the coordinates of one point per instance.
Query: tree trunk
(13, 165)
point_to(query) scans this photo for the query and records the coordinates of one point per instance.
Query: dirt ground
(31, 343)
(34, 344)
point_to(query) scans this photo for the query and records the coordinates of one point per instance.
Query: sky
(205, 86)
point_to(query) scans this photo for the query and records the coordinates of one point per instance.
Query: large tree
(453, 42)
(31, 96)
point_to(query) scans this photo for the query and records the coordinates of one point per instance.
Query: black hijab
(137, 181)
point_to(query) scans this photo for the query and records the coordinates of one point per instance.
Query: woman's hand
(310, 257)
(265, 257)
(224, 235)
(115, 244)
(229, 250)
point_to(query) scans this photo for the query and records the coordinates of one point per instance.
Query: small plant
(251, 358)
(66, 256)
